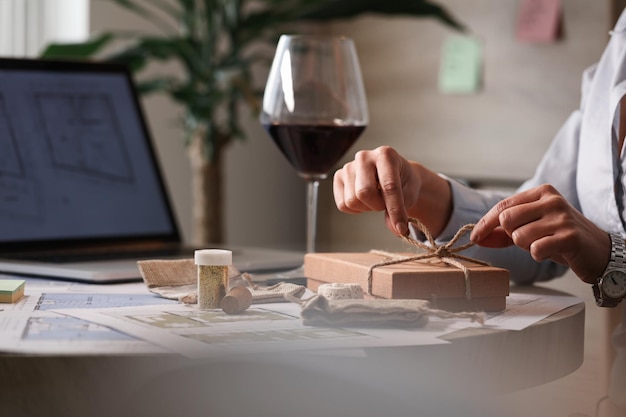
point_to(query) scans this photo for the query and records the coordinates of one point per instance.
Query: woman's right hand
(382, 180)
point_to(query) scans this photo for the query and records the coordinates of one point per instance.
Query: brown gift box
(430, 279)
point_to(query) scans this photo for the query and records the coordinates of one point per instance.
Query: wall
(499, 133)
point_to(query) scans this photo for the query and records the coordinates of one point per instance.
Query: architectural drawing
(17, 194)
(83, 135)
(11, 163)
(63, 328)
(202, 318)
(57, 301)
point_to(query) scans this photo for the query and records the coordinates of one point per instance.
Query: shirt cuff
(469, 206)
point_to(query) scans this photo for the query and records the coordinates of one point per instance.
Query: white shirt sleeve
(558, 168)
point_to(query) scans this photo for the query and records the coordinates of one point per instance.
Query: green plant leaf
(345, 9)
(215, 42)
(78, 50)
(143, 51)
(156, 85)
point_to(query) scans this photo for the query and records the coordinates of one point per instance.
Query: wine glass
(314, 108)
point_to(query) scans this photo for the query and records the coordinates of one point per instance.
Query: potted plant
(216, 43)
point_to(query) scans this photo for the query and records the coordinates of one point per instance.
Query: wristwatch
(610, 288)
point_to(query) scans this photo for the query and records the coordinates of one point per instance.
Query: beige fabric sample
(319, 311)
(177, 280)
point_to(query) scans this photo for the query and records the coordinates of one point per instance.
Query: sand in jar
(212, 267)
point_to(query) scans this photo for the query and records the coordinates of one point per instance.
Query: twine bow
(446, 253)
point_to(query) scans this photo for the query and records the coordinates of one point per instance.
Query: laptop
(81, 193)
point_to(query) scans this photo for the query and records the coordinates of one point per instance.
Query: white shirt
(583, 164)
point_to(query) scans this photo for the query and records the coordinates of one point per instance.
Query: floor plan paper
(276, 327)
(54, 333)
(30, 325)
(523, 310)
(71, 318)
(262, 328)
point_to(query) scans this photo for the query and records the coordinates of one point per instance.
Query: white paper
(262, 328)
(53, 333)
(30, 325)
(68, 318)
(523, 310)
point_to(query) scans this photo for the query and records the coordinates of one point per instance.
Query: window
(26, 26)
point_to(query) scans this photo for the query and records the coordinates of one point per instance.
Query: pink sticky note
(539, 21)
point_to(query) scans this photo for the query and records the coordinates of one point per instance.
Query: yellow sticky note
(461, 65)
(11, 290)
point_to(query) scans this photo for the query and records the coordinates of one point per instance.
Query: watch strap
(618, 252)
(617, 261)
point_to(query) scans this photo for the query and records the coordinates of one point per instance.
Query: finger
(528, 224)
(492, 218)
(550, 239)
(391, 191)
(344, 193)
(546, 247)
(498, 238)
(355, 186)
(339, 192)
(366, 183)
(524, 223)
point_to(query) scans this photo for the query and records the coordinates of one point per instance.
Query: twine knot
(446, 253)
(442, 252)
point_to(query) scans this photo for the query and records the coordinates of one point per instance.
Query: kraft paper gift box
(429, 279)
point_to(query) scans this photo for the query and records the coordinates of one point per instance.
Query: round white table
(458, 378)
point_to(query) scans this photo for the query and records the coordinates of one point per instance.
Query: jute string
(446, 253)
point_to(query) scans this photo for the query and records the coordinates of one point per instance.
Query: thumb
(498, 238)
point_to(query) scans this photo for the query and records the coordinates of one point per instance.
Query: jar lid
(216, 257)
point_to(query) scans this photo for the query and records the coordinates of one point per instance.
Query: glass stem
(311, 214)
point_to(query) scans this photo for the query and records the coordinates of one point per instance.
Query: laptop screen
(76, 161)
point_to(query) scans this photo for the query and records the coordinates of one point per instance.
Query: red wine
(313, 150)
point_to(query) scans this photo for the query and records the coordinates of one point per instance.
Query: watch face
(614, 284)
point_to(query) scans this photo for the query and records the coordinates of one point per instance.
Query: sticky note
(539, 21)
(11, 290)
(461, 65)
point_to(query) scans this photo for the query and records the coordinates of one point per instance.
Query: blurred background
(492, 137)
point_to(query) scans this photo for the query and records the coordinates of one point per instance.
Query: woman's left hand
(542, 221)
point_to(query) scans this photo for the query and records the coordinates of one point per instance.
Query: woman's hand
(382, 180)
(542, 222)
